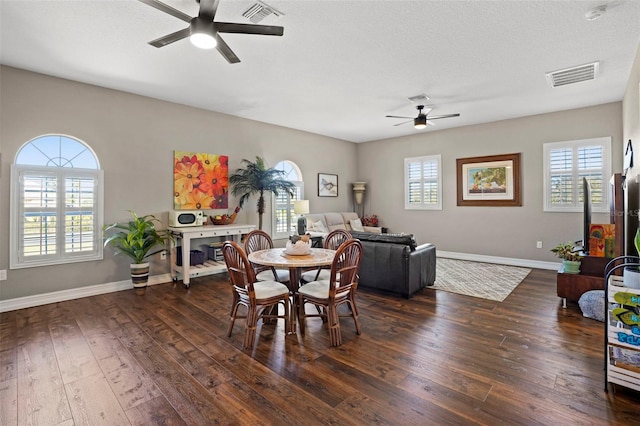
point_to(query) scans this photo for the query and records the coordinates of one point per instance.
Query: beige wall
(631, 131)
(507, 232)
(134, 138)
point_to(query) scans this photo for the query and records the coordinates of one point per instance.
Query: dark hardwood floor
(439, 358)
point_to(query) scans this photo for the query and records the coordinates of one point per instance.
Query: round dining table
(277, 258)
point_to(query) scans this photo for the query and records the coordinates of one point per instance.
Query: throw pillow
(356, 225)
(320, 227)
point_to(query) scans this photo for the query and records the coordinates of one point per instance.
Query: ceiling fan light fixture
(202, 34)
(203, 41)
(420, 122)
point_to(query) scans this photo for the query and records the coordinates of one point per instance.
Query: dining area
(292, 284)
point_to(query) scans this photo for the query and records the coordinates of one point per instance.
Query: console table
(591, 277)
(187, 234)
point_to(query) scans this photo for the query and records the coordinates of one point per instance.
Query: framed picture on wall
(327, 185)
(492, 180)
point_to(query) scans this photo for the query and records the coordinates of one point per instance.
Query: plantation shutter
(423, 183)
(284, 221)
(566, 163)
(56, 203)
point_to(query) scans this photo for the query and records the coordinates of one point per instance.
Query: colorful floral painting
(200, 181)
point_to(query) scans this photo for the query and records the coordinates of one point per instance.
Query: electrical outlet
(538, 244)
(3, 275)
(163, 255)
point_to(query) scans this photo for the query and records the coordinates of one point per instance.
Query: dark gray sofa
(393, 263)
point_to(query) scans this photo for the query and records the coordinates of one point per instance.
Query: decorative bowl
(300, 248)
(224, 219)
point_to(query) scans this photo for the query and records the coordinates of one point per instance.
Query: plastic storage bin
(196, 257)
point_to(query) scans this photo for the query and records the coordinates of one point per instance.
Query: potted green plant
(139, 239)
(571, 258)
(256, 178)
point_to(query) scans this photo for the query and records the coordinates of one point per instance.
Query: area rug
(484, 280)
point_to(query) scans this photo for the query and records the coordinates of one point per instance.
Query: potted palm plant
(571, 258)
(139, 239)
(256, 178)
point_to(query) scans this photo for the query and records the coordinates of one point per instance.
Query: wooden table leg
(294, 284)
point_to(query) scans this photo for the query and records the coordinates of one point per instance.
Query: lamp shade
(420, 122)
(301, 207)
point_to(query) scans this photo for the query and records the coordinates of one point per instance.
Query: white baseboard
(526, 263)
(75, 293)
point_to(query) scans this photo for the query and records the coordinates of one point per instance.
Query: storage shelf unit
(185, 237)
(622, 335)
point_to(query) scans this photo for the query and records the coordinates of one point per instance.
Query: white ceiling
(341, 66)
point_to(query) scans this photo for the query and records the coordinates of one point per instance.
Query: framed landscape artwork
(327, 185)
(492, 180)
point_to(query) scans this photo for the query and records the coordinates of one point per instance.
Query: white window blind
(423, 183)
(56, 206)
(566, 163)
(285, 222)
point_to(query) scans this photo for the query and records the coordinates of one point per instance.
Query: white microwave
(179, 218)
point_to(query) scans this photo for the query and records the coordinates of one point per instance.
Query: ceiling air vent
(419, 98)
(573, 75)
(259, 11)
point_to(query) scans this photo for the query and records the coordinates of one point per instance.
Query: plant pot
(631, 277)
(139, 274)
(571, 266)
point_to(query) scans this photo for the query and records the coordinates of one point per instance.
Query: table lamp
(301, 207)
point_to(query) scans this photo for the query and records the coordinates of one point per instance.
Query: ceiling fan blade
(170, 38)
(229, 27)
(404, 122)
(226, 51)
(167, 9)
(208, 9)
(435, 117)
(397, 116)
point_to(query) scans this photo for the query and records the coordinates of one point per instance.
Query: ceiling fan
(204, 32)
(420, 122)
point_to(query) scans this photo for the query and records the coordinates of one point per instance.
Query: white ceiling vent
(419, 98)
(259, 11)
(573, 75)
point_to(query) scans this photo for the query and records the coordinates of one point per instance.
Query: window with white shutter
(566, 163)
(423, 183)
(56, 203)
(285, 221)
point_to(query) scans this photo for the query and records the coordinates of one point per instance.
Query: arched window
(285, 221)
(56, 203)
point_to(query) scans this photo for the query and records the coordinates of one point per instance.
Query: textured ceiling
(341, 66)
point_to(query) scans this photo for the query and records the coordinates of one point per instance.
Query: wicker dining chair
(339, 289)
(261, 298)
(332, 242)
(260, 240)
